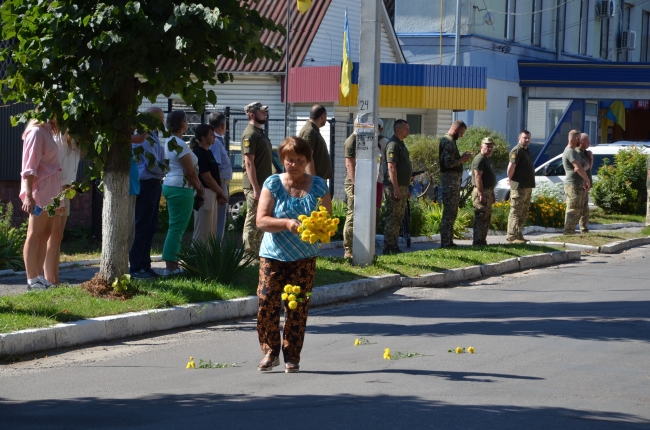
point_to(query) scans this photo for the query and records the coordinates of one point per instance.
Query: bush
(549, 190)
(339, 210)
(416, 224)
(221, 260)
(547, 212)
(621, 188)
(432, 213)
(500, 212)
(12, 240)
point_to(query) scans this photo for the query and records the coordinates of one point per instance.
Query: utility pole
(365, 184)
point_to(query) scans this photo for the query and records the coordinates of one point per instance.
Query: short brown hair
(297, 145)
(573, 134)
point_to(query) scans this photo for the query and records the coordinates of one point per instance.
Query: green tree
(90, 64)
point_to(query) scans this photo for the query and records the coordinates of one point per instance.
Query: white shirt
(176, 176)
(68, 159)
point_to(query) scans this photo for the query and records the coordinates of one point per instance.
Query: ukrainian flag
(346, 69)
(303, 6)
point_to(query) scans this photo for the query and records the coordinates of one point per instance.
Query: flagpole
(286, 68)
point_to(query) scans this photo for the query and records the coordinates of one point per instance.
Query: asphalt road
(562, 347)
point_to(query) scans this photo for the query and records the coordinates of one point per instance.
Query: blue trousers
(146, 224)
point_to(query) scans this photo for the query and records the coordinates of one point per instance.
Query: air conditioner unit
(607, 9)
(628, 40)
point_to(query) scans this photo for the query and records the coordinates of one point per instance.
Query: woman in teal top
(284, 257)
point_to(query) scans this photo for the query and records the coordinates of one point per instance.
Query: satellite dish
(489, 20)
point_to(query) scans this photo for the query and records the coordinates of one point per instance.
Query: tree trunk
(117, 216)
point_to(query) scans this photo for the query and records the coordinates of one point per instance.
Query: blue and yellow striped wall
(423, 86)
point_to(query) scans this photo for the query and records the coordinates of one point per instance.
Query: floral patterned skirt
(274, 275)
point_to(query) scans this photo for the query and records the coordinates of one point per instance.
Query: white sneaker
(173, 272)
(36, 286)
(45, 282)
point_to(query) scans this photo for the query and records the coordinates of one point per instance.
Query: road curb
(610, 248)
(139, 323)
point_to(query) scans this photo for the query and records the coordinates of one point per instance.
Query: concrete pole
(365, 188)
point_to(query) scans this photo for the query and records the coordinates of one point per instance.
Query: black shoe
(151, 272)
(482, 243)
(143, 275)
(392, 251)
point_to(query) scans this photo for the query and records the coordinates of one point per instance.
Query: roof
(584, 74)
(303, 30)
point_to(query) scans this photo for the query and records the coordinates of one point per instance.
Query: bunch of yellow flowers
(319, 226)
(292, 295)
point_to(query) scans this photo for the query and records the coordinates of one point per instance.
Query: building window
(536, 27)
(543, 117)
(584, 14)
(415, 123)
(645, 37)
(623, 55)
(604, 38)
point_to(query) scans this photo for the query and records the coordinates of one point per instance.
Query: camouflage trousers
(519, 207)
(252, 236)
(647, 213)
(575, 196)
(348, 228)
(482, 215)
(394, 214)
(450, 200)
(584, 215)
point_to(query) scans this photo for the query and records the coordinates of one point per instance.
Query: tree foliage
(90, 63)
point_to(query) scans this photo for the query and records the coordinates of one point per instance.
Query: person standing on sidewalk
(285, 259)
(257, 155)
(483, 193)
(147, 202)
(218, 121)
(396, 182)
(587, 163)
(320, 164)
(576, 184)
(521, 176)
(451, 166)
(349, 152)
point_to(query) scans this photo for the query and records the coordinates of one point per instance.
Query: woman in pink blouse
(40, 183)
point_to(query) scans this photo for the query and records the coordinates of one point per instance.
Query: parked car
(237, 199)
(553, 171)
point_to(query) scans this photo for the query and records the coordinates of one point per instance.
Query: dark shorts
(380, 190)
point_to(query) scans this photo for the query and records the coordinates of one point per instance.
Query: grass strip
(596, 238)
(65, 304)
(598, 216)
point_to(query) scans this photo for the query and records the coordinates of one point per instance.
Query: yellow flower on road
(471, 350)
(356, 342)
(459, 350)
(387, 354)
(190, 364)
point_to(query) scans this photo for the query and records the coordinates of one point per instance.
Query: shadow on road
(609, 321)
(342, 411)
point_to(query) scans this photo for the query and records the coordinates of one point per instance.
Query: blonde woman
(40, 184)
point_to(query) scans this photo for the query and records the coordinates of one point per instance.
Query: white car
(553, 171)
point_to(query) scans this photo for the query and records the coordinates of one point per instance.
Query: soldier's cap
(487, 141)
(255, 106)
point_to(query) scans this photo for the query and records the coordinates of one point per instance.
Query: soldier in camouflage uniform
(451, 166)
(576, 183)
(396, 182)
(587, 163)
(484, 180)
(350, 152)
(257, 155)
(521, 176)
(320, 164)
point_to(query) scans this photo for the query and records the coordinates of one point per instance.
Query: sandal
(291, 367)
(268, 363)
